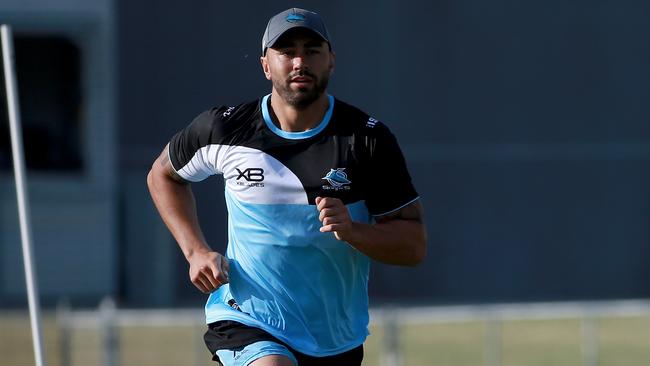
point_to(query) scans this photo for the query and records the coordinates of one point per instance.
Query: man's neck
(292, 119)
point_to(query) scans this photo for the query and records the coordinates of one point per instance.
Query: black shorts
(228, 334)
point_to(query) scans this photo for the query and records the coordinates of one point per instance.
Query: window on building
(48, 71)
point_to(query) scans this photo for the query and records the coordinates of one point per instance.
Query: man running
(315, 189)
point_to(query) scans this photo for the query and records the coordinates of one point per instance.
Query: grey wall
(73, 214)
(526, 127)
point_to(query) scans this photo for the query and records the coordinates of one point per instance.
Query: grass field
(622, 342)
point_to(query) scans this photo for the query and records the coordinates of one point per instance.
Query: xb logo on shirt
(337, 179)
(253, 177)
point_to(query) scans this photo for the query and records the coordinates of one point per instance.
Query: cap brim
(271, 42)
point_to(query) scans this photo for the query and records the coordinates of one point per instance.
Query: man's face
(299, 65)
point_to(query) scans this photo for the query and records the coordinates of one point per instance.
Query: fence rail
(513, 311)
(107, 318)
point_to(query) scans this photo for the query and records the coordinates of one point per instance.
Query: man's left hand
(335, 217)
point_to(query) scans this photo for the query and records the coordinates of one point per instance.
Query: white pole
(109, 335)
(64, 321)
(21, 192)
(493, 342)
(391, 355)
(590, 340)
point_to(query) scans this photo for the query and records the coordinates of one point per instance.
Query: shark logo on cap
(295, 18)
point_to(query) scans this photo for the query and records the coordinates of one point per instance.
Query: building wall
(73, 213)
(525, 127)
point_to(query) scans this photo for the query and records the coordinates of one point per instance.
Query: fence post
(590, 340)
(65, 331)
(109, 341)
(201, 354)
(391, 355)
(493, 342)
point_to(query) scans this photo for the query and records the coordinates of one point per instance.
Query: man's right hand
(175, 203)
(208, 271)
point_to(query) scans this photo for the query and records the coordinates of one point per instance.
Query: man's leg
(273, 360)
(262, 353)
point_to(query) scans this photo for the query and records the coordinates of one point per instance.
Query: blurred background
(525, 125)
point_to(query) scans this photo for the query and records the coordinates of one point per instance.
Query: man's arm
(396, 238)
(176, 205)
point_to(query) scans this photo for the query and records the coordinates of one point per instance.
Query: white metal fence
(107, 319)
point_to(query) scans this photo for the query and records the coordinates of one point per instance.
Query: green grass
(622, 342)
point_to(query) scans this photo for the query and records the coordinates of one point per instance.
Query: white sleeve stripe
(399, 208)
(201, 165)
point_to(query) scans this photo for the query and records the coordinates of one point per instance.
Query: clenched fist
(335, 217)
(208, 271)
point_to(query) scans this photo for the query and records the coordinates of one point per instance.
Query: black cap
(293, 18)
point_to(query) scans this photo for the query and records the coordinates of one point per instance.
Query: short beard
(301, 99)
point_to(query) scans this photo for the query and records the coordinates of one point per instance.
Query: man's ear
(332, 62)
(265, 67)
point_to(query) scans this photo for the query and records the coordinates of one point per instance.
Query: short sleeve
(192, 151)
(388, 180)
